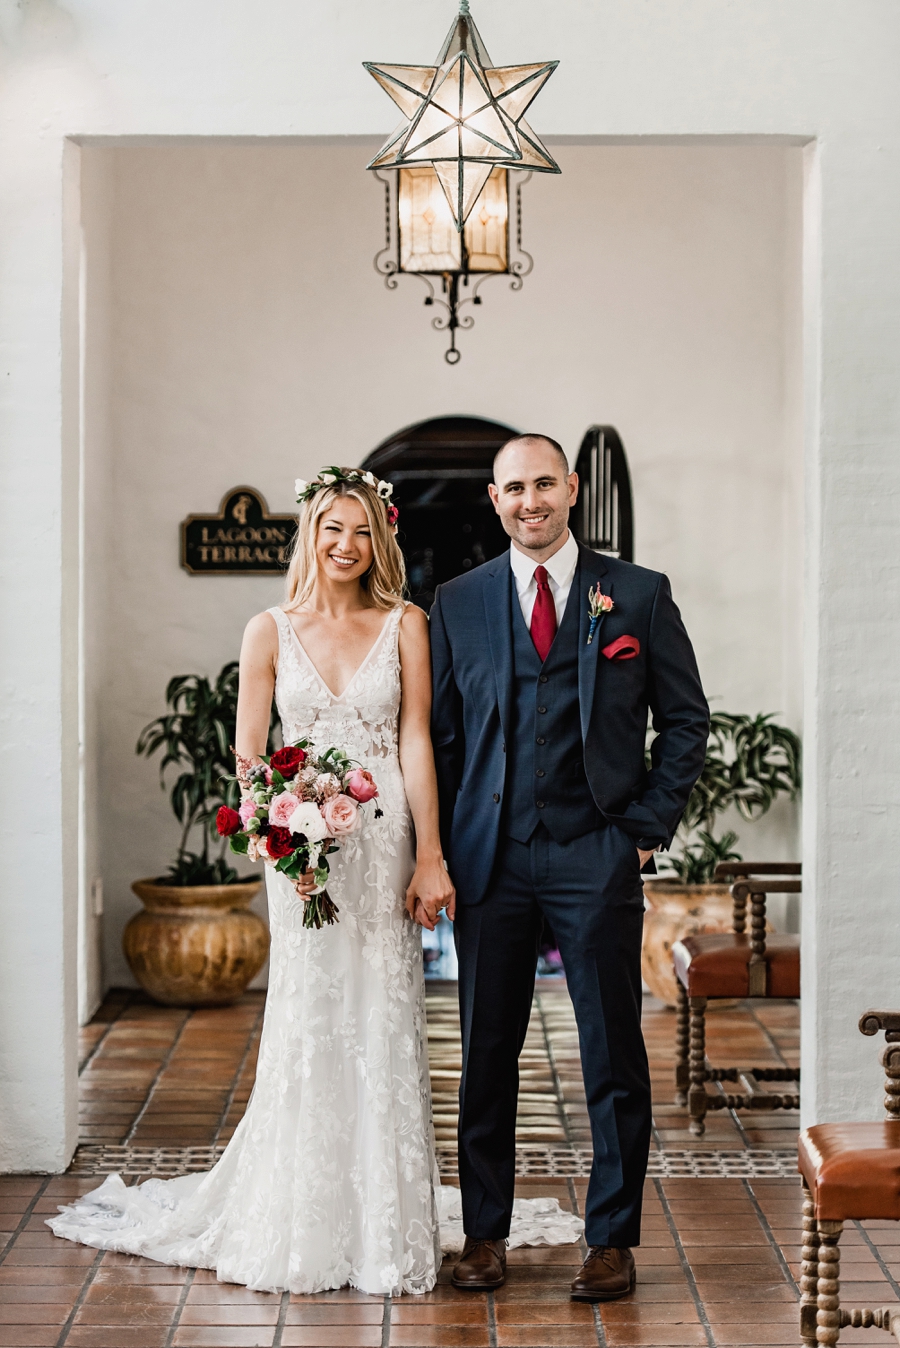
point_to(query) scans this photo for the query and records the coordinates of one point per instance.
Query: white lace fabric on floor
(330, 1178)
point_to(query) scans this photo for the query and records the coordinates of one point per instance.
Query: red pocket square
(623, 648)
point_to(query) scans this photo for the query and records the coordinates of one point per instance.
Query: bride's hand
(305, 884)
(430, 890)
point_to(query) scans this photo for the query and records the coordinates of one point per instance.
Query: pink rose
(360, 785)
(341, 815)
(281, 809)
(247, 810)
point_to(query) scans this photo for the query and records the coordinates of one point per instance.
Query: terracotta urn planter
(677, 910)
(195, 945)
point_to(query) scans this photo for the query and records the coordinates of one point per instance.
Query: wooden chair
(851, 1172)
(731, 964)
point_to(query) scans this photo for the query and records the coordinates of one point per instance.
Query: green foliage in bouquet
(750, 761)
(197, 737)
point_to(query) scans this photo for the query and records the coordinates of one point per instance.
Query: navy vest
(545, 778)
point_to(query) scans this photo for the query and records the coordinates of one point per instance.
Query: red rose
(278, 842)
(228, 821)
(287, 761)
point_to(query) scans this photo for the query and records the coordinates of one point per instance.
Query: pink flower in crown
(393, 515)
(281, 808)
(247, 810)
(341, 815)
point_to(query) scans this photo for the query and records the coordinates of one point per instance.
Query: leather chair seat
(852, 1169)
(716, 965)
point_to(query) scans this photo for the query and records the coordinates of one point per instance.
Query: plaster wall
(815, 71)
(250, 341)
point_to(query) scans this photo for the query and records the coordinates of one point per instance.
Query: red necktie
(543, 617)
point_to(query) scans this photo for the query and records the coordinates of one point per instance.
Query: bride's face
(344, 543)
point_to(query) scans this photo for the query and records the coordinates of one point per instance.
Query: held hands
(430, 890)
(305, 884)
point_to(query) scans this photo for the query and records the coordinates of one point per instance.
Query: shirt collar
(560, 567)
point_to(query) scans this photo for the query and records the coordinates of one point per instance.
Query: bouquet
(296, 806)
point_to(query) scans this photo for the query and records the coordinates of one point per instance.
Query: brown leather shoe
(605, 1275)
(482, 1265)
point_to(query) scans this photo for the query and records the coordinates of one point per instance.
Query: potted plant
(750, 761)
(196, 943)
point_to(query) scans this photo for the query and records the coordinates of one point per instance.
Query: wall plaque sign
(242, 540)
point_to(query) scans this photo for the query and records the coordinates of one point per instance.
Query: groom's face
(533, 493)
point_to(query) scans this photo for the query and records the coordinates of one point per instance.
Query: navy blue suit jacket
(471, 645)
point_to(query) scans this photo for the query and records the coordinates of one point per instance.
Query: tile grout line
(236, 1081)
(773, 1044)
(779, 1252)
(492, 1321)
(176, 1318)
(155, 1082)
(599, 1328)
(685, 1266)
(79, 1302)
(25, 1218)
(282, 1317)
(895, 1288)
(102, 1040)
(385, 1323)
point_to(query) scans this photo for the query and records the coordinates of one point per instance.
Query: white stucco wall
(250, 340)
(813, 70)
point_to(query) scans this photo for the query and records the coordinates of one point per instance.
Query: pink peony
(341, 815)
(247, 810)
(281, 809)
(360, 785)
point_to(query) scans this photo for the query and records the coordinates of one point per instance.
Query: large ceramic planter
(677, 910)
(195, 945)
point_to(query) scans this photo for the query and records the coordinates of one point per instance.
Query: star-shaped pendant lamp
(464, 116)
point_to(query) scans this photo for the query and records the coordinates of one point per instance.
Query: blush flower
(360, 785)
(281, 809)
(247, 811)
(341, 815)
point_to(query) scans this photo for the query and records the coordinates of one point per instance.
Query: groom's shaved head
(533, 438)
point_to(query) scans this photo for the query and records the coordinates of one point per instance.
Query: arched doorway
(440, 470)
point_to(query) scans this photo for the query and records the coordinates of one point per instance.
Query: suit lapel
(590, 572)
(498, 612)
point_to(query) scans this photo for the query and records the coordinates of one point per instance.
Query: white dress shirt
(560, 570)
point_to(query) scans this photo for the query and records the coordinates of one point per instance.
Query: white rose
(300, 486)
(306, 819)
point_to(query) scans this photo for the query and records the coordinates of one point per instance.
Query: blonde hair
(384, 582)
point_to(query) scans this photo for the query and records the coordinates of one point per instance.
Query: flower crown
(327, 477)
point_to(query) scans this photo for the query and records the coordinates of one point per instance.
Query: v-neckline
(356, 673)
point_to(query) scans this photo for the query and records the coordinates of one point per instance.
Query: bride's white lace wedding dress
(330, 1178)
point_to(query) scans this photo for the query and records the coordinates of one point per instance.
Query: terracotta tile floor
(717, 1266)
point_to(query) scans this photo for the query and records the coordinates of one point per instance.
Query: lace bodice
(364, 719)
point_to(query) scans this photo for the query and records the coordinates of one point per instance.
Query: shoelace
(604, 1252)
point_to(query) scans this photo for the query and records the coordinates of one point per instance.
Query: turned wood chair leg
(809, 1272)
(828, 1286)
(682, 1045)
(697, 1092)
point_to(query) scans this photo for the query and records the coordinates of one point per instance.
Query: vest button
(540, 773)
(542, 710)
(539, 804)
(541, 740)
(496, 798)
(543, 678)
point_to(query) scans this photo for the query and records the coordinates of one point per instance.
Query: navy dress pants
(590, 891)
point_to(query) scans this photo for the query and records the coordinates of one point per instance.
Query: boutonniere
(598, 604)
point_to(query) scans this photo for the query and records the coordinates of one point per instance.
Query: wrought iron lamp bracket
(387, 264)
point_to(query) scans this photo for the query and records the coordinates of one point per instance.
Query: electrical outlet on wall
(97, 896)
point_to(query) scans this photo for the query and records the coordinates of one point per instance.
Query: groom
(549, 810)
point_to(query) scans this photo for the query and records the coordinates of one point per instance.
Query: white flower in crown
(385, 490)
(327, 476)
(370, 479)
(300, 486)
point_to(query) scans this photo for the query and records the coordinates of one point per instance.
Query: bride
(330, 1178)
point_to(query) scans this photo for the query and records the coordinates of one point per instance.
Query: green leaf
(239, 842)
